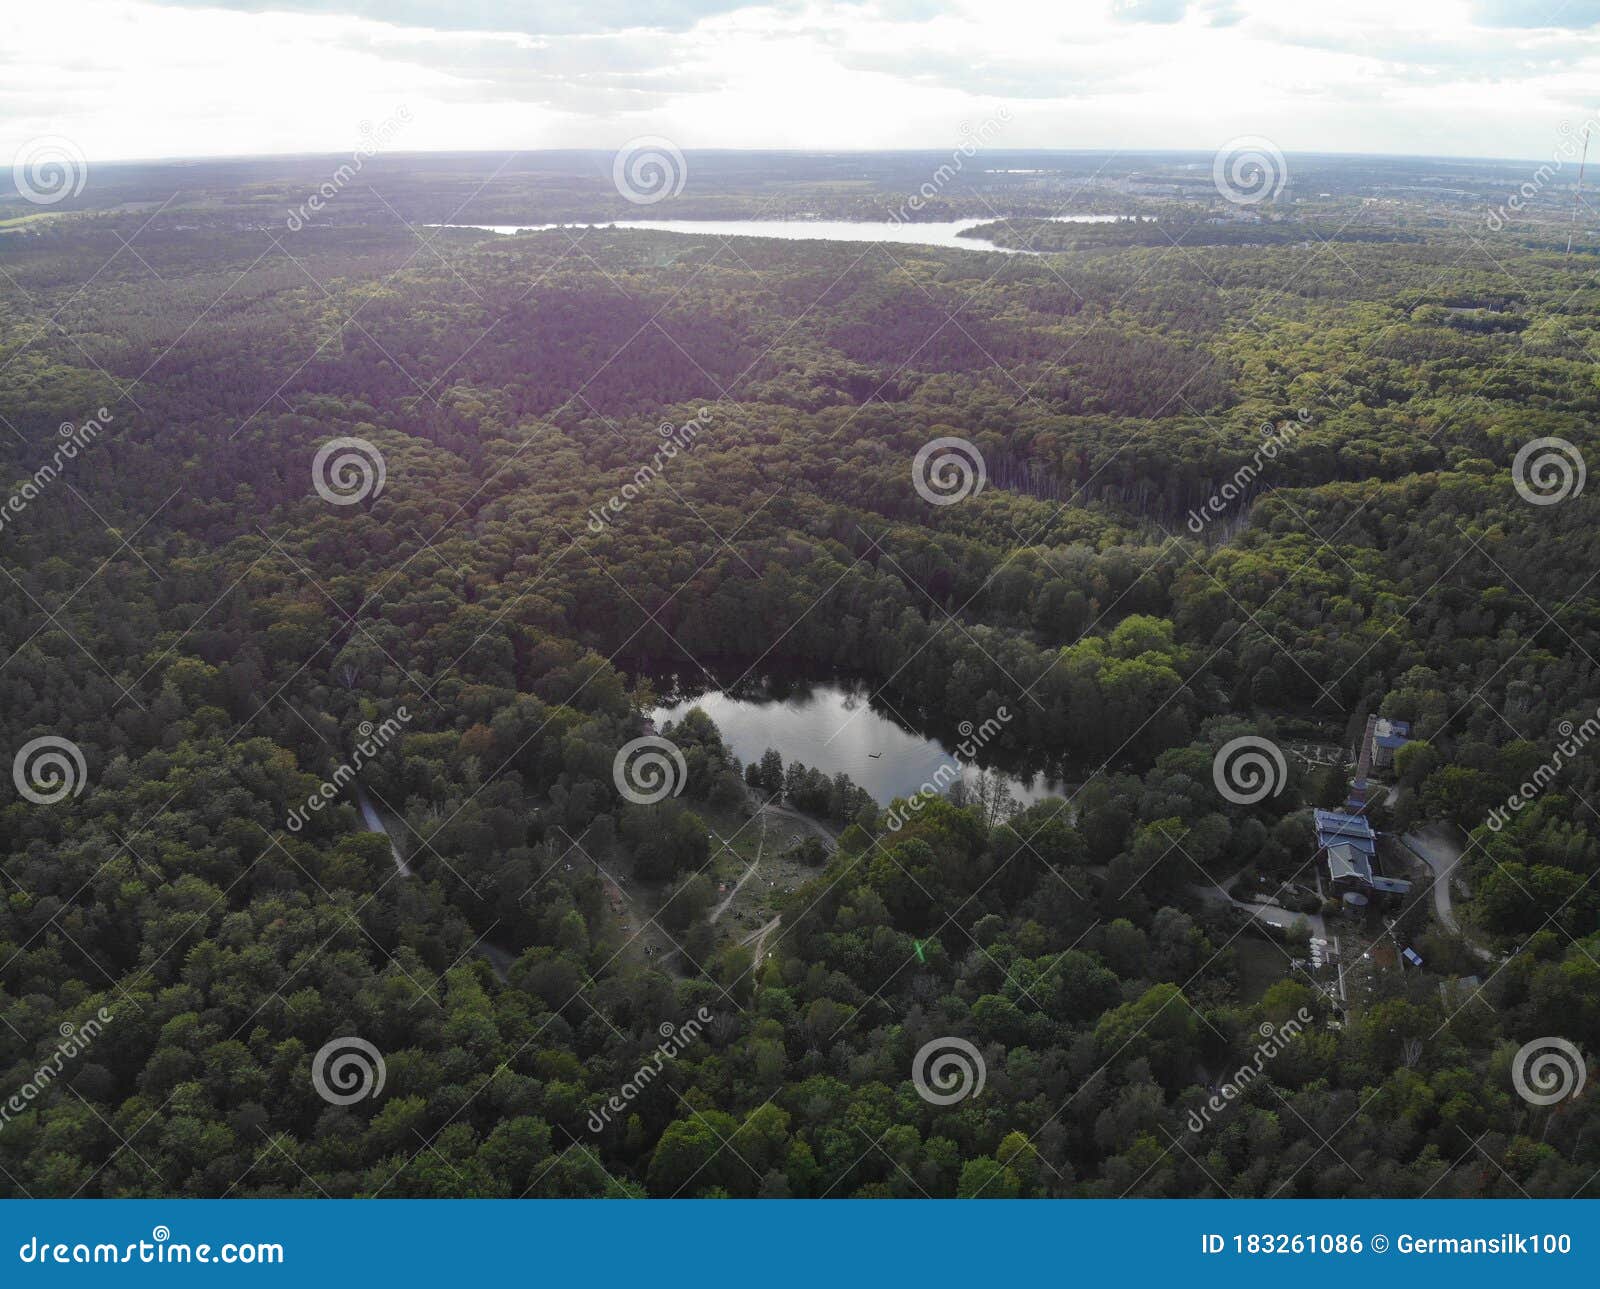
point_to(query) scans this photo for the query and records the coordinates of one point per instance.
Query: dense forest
(597, 457)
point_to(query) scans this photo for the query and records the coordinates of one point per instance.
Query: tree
(771, 771)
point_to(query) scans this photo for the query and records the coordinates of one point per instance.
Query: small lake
(947, 234)
(835, 726)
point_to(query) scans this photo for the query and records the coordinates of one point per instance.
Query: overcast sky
(157, 78)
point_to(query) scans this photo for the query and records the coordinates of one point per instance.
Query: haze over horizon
(606, 152)
(158, 79)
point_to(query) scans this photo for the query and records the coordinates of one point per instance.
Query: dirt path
(830, 839)
(374, 823)
(748, 874)
(757, 939)
(498, 958)
(1436, 846)
(759, 936)
(1271, 914)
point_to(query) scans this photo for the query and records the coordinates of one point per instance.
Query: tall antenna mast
(1577, 194)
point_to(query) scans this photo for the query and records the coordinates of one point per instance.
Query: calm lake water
(946, 234)
(833, 727)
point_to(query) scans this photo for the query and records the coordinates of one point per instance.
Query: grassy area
(773, 837)
(1260, 964)
(739, 837)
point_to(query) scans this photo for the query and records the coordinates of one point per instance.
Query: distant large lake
(811, 230)
(833, 727)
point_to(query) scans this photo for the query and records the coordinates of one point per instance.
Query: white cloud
(1149, 10)
(139, 78)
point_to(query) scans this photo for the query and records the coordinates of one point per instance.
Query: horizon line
(591, 150)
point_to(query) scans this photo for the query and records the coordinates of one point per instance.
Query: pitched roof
(1335, 827)
(1345, 860)
(1339, 824)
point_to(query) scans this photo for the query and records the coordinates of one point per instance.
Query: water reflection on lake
(832, 727)
(947, 233)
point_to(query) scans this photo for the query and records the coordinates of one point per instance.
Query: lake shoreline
(842, 725)
(939, 234)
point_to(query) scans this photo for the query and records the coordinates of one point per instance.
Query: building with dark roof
(1348, 867)
(1388, 737)
(1348, 849)
(1335, 826)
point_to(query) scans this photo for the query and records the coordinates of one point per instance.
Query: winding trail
(830, 839)
(1436, 846)
(374, 823)
(498, 957)
(1271, 914)
(759, 936)
(748, 874)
